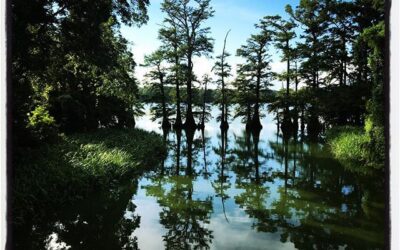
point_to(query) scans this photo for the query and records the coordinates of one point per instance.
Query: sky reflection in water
(230, 191)
(265, 194)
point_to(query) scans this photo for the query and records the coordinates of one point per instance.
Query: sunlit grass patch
(79, 163)
(350, 145)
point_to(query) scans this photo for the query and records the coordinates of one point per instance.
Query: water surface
(254, 191)
(232, 190)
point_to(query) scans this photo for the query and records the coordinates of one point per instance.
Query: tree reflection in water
(105, 220)
(183, 216)
(222, 182)
(226, 188)
(313, 211)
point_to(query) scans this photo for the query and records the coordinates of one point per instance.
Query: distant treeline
(73, 71)
(149, 94)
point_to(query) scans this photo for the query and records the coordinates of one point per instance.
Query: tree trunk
(248, 119)
(203, 117)
(178, 150)
(165, 121)
(256, 139)
(256, 123)
(296, 108)
(286, 119)
(189, 141)
(224, 115)
(189, 123)
(178, 120)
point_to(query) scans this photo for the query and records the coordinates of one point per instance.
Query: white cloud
(239, 228)
(201, 66)
(139, 51)
(278, 66)
(150, 232)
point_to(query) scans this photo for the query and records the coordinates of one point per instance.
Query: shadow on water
(222, 189)
(105, 220)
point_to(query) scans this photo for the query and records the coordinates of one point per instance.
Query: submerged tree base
(178, 125)
(166, 124)
(254, 125)
(224, 125)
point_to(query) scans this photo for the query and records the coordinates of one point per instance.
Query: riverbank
(352, 147)
(53, 175)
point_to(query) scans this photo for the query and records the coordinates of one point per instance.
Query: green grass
(350, 145)
(56, 174)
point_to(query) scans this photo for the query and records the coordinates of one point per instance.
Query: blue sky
(237, 15)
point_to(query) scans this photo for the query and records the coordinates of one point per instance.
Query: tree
(375, 124)
(158, 73)
(243, 97)
(342, 30)
(283, 33)
(256, 68)
(205, 109)
(172, 45)
(70, 63)
(189, 17)
(222, 70)
(312, 16)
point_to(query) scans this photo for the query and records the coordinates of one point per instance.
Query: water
(230, 191)
(242, 191)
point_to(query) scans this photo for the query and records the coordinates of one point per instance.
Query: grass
(350, 145)
(56, 174)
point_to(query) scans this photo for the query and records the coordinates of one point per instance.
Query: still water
(250, 191)
(231, 190)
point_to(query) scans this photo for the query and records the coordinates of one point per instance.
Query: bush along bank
(56, 174)
(357, 148)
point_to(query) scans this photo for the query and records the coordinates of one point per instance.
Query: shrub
(358, 149)
(42, 124)
(350, 145)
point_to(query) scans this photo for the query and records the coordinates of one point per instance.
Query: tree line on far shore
(334, 57)
(72, 70)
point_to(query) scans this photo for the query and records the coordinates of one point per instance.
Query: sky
(239, 16)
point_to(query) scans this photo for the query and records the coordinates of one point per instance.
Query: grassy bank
(56, 174)
(352, 147)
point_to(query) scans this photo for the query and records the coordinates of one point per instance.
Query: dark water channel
(230, 191)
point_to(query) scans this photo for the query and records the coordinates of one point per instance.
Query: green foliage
(222, 70)
(376, 144)
(78, 164)
(312, 16)
(375, 38)
(69, 56)
(243, 96)
(352, 147)
(149, 94)
(348, 143)
(42, 124)
(186, 32)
